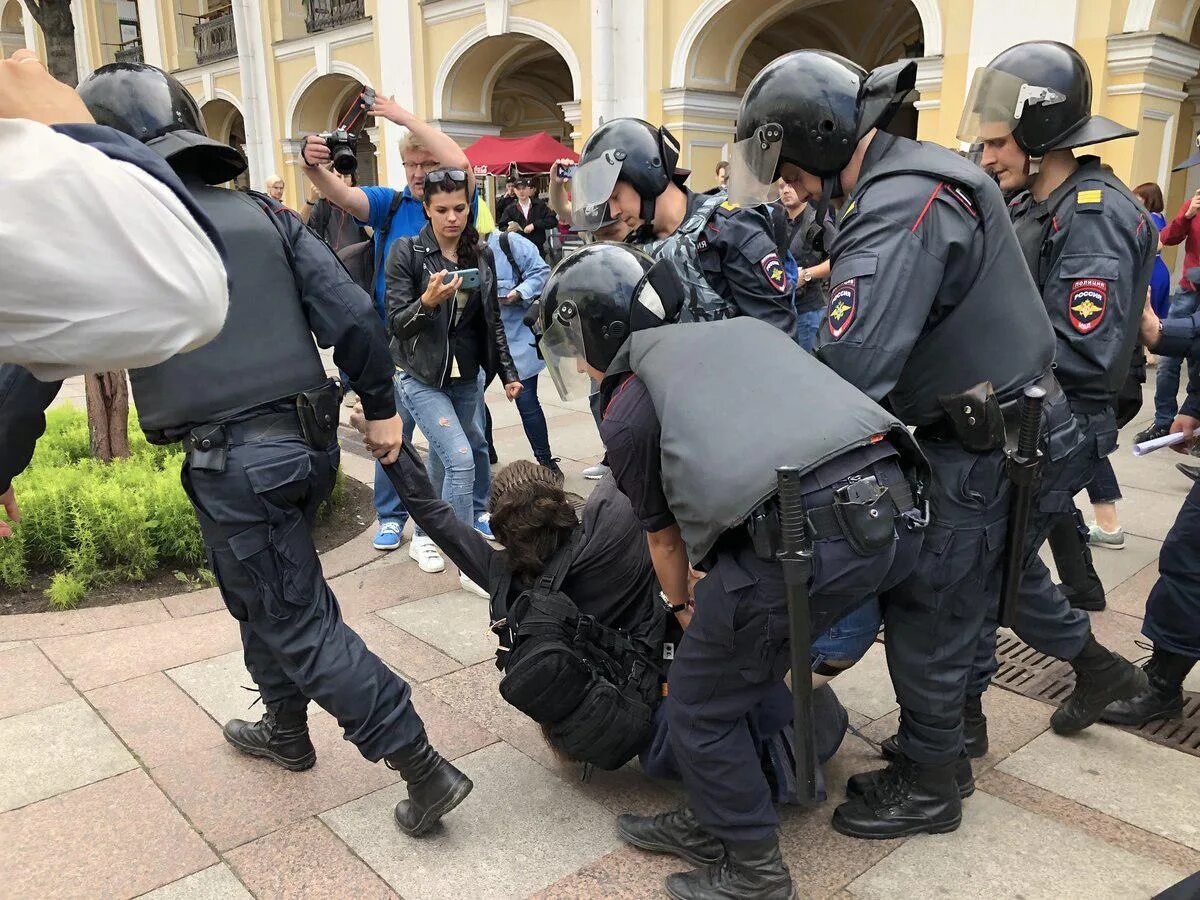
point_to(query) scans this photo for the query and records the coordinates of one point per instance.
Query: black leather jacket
(421, 337)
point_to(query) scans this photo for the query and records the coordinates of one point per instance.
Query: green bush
(95, 525)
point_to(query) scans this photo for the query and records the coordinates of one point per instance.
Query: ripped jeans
(449, 418)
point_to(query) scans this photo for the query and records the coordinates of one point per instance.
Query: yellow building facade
(266, 72)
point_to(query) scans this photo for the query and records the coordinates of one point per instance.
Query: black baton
(1024, 468)
(795, 555)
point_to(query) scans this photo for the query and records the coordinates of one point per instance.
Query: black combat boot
(1091, 601)
(675, 832)
(907, 798)
(964, 777)
(1101, 677)
(281, 736)
(975, 736)
(1162, 699)
(749, 870)
(434, 786)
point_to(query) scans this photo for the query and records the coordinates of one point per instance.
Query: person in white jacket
(103, 265)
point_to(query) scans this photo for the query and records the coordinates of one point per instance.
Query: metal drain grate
(1026, 672)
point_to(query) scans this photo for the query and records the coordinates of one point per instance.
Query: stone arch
(224, 122)
(477, 60)
(12, 28)
(719, 19)
(1173, 17)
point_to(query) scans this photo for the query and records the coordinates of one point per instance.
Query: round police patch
(774, 271)
(1086, 304)
(843, 305)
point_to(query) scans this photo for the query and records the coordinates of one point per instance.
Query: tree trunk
(108, 415)
(58, 28)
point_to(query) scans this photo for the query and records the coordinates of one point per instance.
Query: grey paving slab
(1121, 774)
(55, 749)
(521, 829)
(1145, 513)
(215, 883)
(867, 687)
(28, 681)
(216, 685)
(1003, 850)
(572, 436)
(1117, 566)
(455, 623)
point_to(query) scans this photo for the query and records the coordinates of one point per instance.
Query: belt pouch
(318, 413)
(208, 448)
(975, 418)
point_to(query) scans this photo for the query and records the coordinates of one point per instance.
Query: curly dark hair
(531, 516)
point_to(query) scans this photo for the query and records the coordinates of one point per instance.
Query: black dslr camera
(343, 140)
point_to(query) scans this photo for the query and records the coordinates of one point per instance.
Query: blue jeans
(533, 419)
(849, 639)
(451, 419)
(807, 324)
(388, 505)
(1166, 380)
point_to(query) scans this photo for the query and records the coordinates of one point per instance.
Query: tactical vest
(777, 405)
(265, 351)
(998, 331)
(703, 303)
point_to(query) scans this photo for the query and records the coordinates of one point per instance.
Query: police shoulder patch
(774, 271)
(843, 307)
(729, 205)
(1086, 304)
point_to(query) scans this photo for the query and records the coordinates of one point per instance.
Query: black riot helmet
(629, 150)
(593, 301)
(810, 108)
(1041, 93)
(148, 104)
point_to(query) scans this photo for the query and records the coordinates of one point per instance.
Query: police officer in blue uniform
(725, 254)
(1172, 621)
(1090, 247)
(933, 314)
(258, 419)
(603, 312)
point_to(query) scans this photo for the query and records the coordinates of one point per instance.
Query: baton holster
(975, 418)
(207, 448)
(318, 414)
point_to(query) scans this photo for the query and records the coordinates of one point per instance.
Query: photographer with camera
(391, 214)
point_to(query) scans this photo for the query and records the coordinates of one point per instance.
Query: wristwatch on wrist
(671, 607)
(805, 275)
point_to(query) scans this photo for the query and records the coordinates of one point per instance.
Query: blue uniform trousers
(256, 518)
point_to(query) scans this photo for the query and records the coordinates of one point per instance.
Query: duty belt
(823, 522)
(1010, 410)
(208, 445)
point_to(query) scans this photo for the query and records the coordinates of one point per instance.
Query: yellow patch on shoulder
(730, 205)
(846, 212)
(1093, 196)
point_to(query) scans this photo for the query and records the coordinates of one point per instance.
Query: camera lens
(344, 160)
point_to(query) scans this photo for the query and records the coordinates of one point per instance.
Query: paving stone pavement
(115, 781)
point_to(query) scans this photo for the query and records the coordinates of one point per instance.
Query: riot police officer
(726, 255)
(258, 419)
(1090, 247)
(933, 314)
(601, 312)
(1172, 621)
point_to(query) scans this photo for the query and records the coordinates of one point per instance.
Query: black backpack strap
(506, 246)
(382, 236)
(556, 570)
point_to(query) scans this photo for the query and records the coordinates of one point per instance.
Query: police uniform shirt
(741, 262)
(633, 443)
(908, 247)
(1090, 247)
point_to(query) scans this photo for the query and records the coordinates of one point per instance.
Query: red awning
(533, 155)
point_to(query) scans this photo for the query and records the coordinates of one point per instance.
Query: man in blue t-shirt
(423, 149)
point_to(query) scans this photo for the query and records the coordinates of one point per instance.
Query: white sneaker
(469, 585)
(424, 551)
(1112, 540)
(595, 473)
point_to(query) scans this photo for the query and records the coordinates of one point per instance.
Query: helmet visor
(563, 350)
(754, 167)
(994, 106)
(591, 188)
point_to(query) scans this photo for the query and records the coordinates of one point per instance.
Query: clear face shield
(592, 186)
(754, 165)
(996, 102)
(563, 350)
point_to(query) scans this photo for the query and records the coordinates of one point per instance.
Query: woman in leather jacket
(448, 341)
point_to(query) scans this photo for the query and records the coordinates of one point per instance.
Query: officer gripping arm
(342, 316)
(745, 266)
(891, 265)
